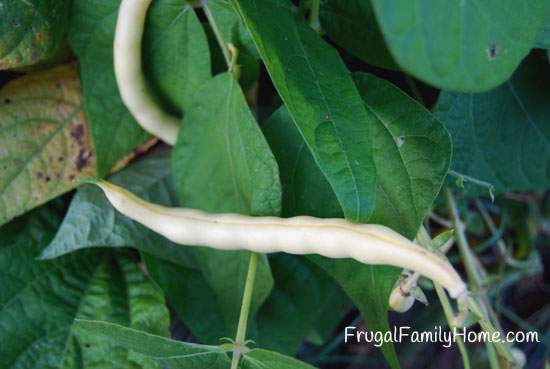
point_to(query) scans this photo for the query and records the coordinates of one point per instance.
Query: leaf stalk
(240, 342)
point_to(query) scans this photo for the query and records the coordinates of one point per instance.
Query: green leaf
(219, 136)
(222, 163)
(31, 31)
(503, 136)
(164, 351)
(176, 56)
(91, 221)
(353, 26)
(44, 137)
(412, 154)
(39, 301)
(264, 359)
(313, 82)
(461, 45)
(169, 24)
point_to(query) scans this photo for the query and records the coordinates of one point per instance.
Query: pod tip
(89, 180)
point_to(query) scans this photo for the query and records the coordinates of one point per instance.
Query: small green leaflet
(169, 24)
(313, 82)
(503, 136)
(461, 45)
(222, 163)
(31, 31)
(39, 300)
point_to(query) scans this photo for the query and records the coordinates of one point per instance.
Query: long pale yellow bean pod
(129, 74)
(333, 238)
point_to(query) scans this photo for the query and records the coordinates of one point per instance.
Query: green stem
(464, 178)
(488, 319)
(425, 240)
(414, 88)
(448, 310)
(245, 309)
(314, 16)
(470, 262)
(223, 46)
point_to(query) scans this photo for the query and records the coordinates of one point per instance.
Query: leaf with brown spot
(32, 32)
(45, 142)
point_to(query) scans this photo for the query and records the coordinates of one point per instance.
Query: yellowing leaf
(45, 143)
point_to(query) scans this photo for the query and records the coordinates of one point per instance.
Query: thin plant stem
(464, 178)
(492, 355)
(424, 239)
(448, 311)
(314, 15)
(468, 257)
(414, 88)
(474, 270)
(496, 233)
(240, 343)
(223, 46)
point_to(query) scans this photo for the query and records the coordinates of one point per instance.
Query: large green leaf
(170, 24)
(461, 45)
(164, 351)
(264, 359)
(503, 136)
(353, 26)
(222, 163)
(44, 139)
(39, 301)
(31, 31)
(320, 95)
(412, 154)
(91, 221)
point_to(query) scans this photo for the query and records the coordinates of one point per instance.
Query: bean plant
(233, 184)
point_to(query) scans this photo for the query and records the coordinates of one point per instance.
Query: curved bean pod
(129, 74)
(334, 238)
